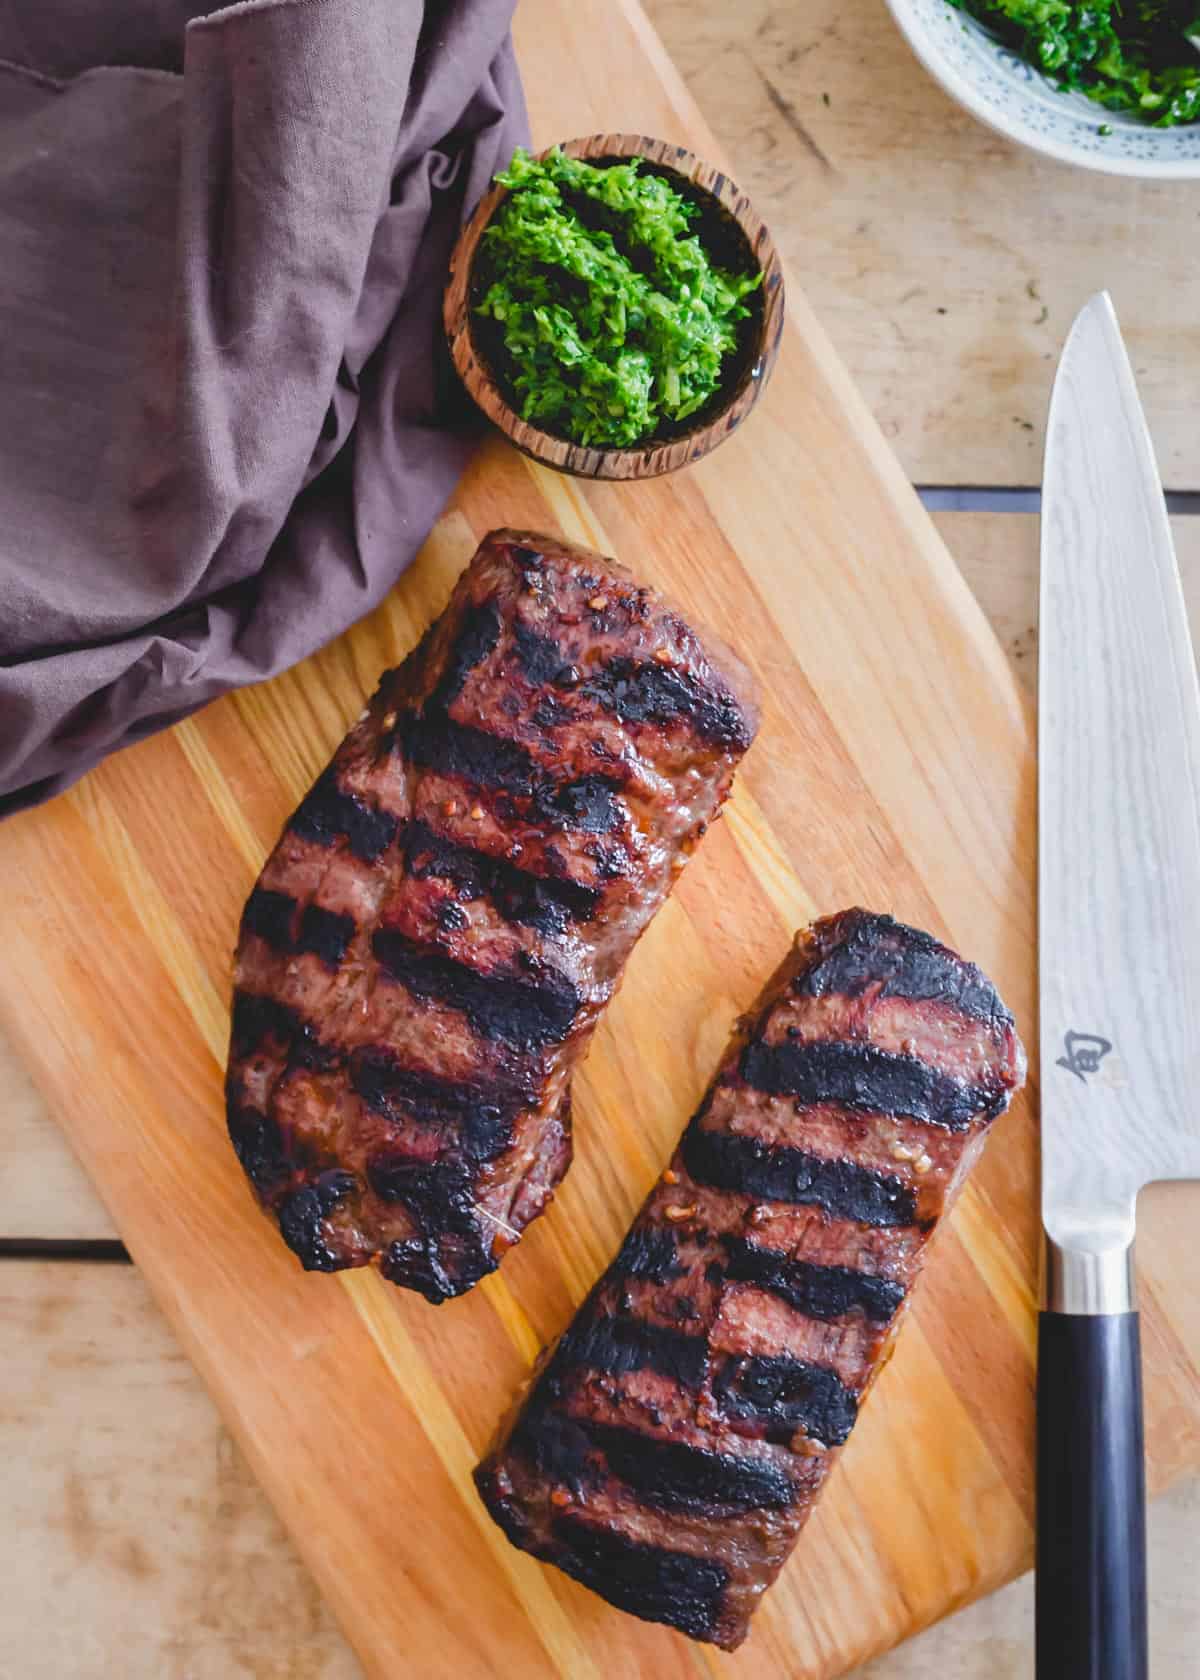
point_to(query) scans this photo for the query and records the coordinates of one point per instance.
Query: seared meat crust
(430, 945)
(674, 1442)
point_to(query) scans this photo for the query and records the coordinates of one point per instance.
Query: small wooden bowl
(729, 228)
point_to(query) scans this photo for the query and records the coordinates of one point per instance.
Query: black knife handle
(1091, 1499)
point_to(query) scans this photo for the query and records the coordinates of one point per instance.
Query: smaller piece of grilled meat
(674, 1443)
(430, 944)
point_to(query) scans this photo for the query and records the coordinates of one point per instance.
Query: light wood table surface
(947, 266)
(945, 262)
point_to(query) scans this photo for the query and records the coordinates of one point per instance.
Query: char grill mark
(428, 1189)
(541, 659)
(640, 691)
(649, 1251)
(706, 1387)
(543, 902)
(259, 1146)
(556, 1446)
(733, 1161)
(302, 1217)
(670, 1476)
(588, 803)
(325, 934)
(616, 1346)
(449, 1249)
(776, 1396)
(498, 765)
(478, 1118)
(476, 641)
(782, 1396)
(329, 814)
(417, 1028)
(551, 713)
(259, 1020)
(657, 1585)
(417, 1263)
(859, 1076)
(824, 1292)
(270, 916)
(881, 954)
(455, 749)
(666, 1475)
(654, 692)
(527, 1012)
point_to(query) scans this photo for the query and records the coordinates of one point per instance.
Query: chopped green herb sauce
(613, 319)
(1128, 55)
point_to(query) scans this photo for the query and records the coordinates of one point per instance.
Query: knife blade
(1119, 810)
(1119, 970)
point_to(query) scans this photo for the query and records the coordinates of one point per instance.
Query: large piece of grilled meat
(430, 944)
(673, 1446)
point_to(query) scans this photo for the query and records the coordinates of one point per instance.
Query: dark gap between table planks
(104, 1249)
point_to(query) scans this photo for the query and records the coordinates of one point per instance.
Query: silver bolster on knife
(1087, 1280)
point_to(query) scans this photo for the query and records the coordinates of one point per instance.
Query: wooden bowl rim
(655, 456)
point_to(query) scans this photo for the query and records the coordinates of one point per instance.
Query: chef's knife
(1119, 955)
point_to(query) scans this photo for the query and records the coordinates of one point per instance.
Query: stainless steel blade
(1119, 810)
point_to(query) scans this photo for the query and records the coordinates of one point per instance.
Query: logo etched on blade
(1084, 1053)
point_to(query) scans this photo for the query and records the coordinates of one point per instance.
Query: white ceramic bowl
(1018, 101)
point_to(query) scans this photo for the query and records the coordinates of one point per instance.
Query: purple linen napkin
(225, 423)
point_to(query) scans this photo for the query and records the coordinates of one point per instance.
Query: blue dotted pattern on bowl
(1001, 89)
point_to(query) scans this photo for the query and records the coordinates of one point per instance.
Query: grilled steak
(673, 1444)
(430, 944)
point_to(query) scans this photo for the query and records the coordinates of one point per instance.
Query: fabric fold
(224, 430)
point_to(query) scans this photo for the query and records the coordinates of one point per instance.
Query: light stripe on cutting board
(202, 1189)
(193, 743)
(997, 1263)
(574, 515)
(412, 1376)
(767, 862)
(161, 925)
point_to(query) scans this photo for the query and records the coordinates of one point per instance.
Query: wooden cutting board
(894, 768)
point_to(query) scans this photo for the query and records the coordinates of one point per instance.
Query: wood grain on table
(140, 1547)
(144, 1538)
(945, 262)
